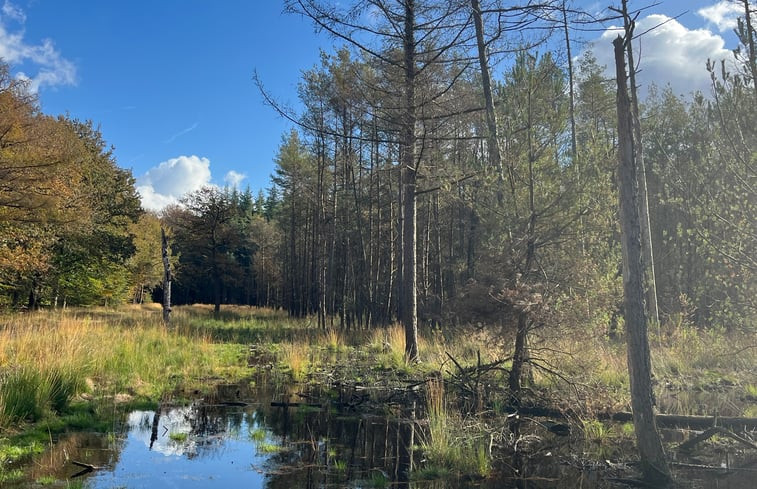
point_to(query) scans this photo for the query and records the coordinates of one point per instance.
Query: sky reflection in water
(224, 456)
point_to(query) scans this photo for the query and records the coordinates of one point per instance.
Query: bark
(641, 177)
(571, 89)
(409, 175)
(750, 34)
(167, 276)
(653, 461)
(495, 156)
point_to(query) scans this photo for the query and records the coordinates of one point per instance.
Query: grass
(267, 447)
(74, 369)
(46, 480)
(11, 454)
(294, 357)
(257, 435)
(67, 370)
(47, 359)
(178, 437)
(449, 446)
(695, 371)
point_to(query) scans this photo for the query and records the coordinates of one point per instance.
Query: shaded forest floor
(66, 370)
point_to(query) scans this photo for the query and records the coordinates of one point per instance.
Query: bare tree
(407, 40)
(650, 283)
(653, 462)
(167, 276)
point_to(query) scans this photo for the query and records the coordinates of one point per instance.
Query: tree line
(501, 212)
(71, 227)
(452, 164)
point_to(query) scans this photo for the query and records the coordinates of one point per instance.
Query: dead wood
(702, 422)
(717, 430)
(86, 468)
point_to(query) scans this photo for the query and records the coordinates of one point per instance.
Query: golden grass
(295, 357)
(333, 339)
(111, 351)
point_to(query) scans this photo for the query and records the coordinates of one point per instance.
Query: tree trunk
(650, 283)
(409, 174)
(166, 276)
(495, 157)
(653, 462)
(749, 42)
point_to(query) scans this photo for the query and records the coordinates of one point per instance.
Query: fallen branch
(717, 430)
(86, 468)
(295, 404)
(723, 470)
(703, 422)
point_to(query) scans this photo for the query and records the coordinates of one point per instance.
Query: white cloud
(668, 54)
(13, 12)
(52, 68)
(233, 179)
(723, 14)
(170, 180)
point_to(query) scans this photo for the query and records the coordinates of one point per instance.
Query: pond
(259, 435)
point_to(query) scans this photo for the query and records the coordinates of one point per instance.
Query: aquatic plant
(449, 444)
(178, 437)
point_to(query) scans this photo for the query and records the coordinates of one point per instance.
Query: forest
(452, 168)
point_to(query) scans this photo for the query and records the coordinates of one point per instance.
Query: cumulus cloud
(668, 54)
(51, 67)
(723, 14)
(233, 179)
(164, 184)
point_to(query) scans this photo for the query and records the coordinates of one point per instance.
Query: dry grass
(333, 339)
(111, 351)
(295, 357)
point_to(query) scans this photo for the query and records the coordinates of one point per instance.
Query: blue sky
(170, 81)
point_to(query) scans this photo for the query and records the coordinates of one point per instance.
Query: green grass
(266, 447)
(449, 444)
(178, 437)
(46, 480)
(257, 435)
(11, 475)
(13, 453)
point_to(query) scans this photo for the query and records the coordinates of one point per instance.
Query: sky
(169, 82)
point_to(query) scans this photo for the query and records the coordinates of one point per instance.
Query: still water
(258, 439)
(219, 454)
(279, 436)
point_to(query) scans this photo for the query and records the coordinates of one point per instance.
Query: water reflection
(317, 438)
(192, 449)
(256, 444)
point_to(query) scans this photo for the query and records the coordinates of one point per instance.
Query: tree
(414, 40)
(205, 240)
(653, 462)
(167, 275)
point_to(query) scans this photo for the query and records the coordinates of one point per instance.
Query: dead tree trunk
(650, 281)
(166, 276)
(653, 462)
(495, 157)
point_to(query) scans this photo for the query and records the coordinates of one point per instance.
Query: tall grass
(295, 357)
(48, 358)
(449, 444)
